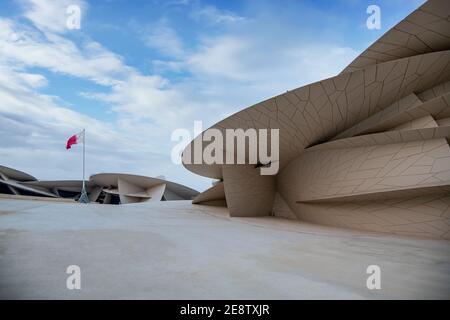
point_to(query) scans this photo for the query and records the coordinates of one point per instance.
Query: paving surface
(176, 250)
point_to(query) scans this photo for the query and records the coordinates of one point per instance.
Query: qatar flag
(76, 138)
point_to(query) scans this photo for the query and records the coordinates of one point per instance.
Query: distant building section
(107, 188)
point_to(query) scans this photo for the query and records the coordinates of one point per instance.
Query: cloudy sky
(137, 70)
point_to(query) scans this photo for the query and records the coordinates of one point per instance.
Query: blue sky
(137, 70)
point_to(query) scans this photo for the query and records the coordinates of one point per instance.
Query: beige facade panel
(14, 174)
(126, 188)
(434, 92)
(247, 193)
(170, 195)
(141, 194)
(111, 179)
(95, 193)
(425, 30)
(64, 185)
(393, 115)
(17, 183)
(107, 199)
(423, 216)
(419, 123)
(112, 191)
(156, 193)
(12, 189)
(443, 122)
(133, 188)
(387, 137)
(383, 195)
(338, 173)
(281, 209)
(214, 195)
(34, 190)
(319, 111)
(406, 109)
(176, 191)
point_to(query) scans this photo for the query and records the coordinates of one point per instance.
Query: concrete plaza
(176, 250)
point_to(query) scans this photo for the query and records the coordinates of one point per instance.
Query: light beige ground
(178, 250)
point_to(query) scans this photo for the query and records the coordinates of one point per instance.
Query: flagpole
(84, 197)
(84, 155)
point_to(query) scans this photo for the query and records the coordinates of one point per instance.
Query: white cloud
(221, 56)
(34, 80)
(20, 100)
(131, 93)
(214, 15)
(147, 97)
(227, 72)
(320, 61)
(37, 126)
(164, 39)
(21, 45)
(245, 59)
(50, 16)
(34, 130)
